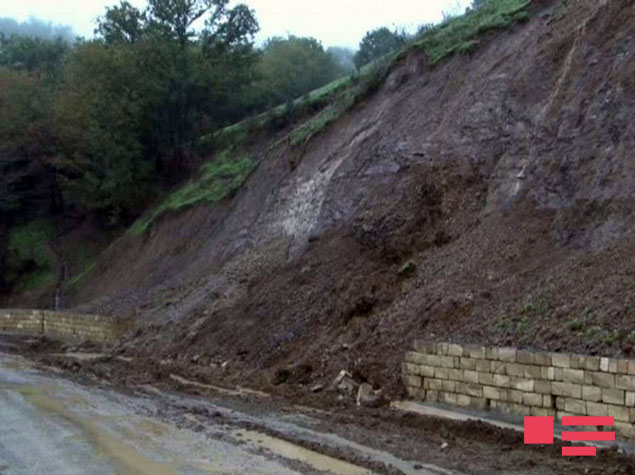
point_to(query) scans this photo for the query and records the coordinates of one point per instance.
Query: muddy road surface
(57, 421)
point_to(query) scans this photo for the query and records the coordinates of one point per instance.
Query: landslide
(486, 199)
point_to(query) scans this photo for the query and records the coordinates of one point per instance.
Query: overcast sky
(334, 22)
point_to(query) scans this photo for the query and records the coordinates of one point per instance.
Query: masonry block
(470, 376)
(455, 350)
(442, 349)
(542, 387)
(566, 389)
(475, 351)
(449, 386)
(542, 412)
(575, 406)
(479, 402)
(414, 357)
(560, 360)
(532, 399)
(623, 381)
(441, 373)
(525, 357)
(630, 399)
(446, 361)
(597, 409)
(548, 401)
(425, 370)
(486, 379)
(448, 398)
(533, 372)
(475, 390)
(577, 361)
(499, 367)
(613, 396)
(491, 392)
(592, 363)
(413, 381)
(521, 384)
(602, 380)
(507, 354)
(548, 373)
(409, 368)
(434, 384)
(455, 374)
(592, 393)
(514, 396)
(484, 366)
(542, 359)
(622, 366)
(502, 381)
(620, 413)
(515, 369)
(468, 363)
(573, 375)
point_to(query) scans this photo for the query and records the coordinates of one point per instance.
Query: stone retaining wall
(523, 382)
(62, 325)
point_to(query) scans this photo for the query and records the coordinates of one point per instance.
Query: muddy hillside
(486, 199)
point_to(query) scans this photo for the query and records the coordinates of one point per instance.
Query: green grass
(30, 264)
(460, 33)
(217, 179)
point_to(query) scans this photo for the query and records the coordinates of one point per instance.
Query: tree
(345, 57)
(121, 24)
(378, 43)
(293, 66)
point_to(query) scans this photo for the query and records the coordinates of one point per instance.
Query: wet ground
(56, 426)
(101, 413)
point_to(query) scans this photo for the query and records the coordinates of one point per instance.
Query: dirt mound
(488, 199)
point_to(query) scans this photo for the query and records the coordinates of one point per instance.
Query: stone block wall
(62, 325)
(523, 382)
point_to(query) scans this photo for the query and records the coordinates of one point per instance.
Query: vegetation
(377, 44)
(29, 262)
(218, 178)
(460, 33)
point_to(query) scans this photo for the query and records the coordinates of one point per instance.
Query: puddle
(291, 451)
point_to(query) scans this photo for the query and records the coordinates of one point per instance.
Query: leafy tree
(121, 24)
(378, 43)
(293, 66)
(345, 57)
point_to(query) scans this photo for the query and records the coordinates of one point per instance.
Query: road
(53, 426)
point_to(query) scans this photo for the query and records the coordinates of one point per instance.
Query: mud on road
(304, 439)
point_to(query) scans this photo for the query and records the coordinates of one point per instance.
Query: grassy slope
(217, 178)
(225, 173)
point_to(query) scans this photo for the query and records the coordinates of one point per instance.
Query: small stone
(317, 388)
(365, 395)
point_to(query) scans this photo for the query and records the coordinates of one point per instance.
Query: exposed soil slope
(505, 177)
